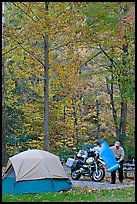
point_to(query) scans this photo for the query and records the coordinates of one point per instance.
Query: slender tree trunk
(80, 98)
(121, 128)
(64, 133)
(75, 122)
(3, 120)
(123, 118)
(98, 123)
(114, 112)
(3, 95)
(46, 98)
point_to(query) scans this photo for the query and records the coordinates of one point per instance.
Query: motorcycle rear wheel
(99, 174)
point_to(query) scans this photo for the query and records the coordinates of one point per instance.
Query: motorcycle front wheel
(99, 174)
(75, 175)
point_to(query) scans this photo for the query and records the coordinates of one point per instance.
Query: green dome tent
(34, 171)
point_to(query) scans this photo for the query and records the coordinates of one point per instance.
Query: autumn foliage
(88, 41)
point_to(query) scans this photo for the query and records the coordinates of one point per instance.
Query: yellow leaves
(11, 99)
(11, 85)
(66, 31)
(41, 137)
(74, 148)
(58, 143)
(69, 144)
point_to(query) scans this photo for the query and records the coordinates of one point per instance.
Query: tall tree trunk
(80, 98)
(114, 112)
(123, 118)
(3, 94)
(64, 133)
(98, 123)
(75, 122)
(46, 98)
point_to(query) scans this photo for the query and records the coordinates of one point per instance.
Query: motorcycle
(88, 163)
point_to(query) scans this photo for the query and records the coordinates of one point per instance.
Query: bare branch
(31, 54)
(108, 56)
(31, 11)
(9, 50)
(93, 57)
(108, 88)
(23, 11)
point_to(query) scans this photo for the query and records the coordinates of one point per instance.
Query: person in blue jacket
(118, 152)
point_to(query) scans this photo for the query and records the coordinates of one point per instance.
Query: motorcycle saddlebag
(69, 162)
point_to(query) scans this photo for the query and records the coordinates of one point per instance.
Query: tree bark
(98, 124)
(46, 97)
(123, 118)
(4, 154)
(114, 112)
(75, 122)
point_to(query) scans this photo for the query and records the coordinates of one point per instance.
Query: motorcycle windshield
(108, 157)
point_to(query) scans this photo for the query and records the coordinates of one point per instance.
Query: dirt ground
(105, 183)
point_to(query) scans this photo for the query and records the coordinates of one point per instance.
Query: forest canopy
(71, 64)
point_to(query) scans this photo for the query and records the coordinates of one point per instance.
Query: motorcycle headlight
(90, 160)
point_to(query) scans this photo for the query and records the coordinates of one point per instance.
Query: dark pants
(120, 173)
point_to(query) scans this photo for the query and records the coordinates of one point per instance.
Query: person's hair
(117, 143)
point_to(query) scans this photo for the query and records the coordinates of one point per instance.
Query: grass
(78, 194)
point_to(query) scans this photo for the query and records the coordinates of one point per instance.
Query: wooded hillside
(68, 75)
